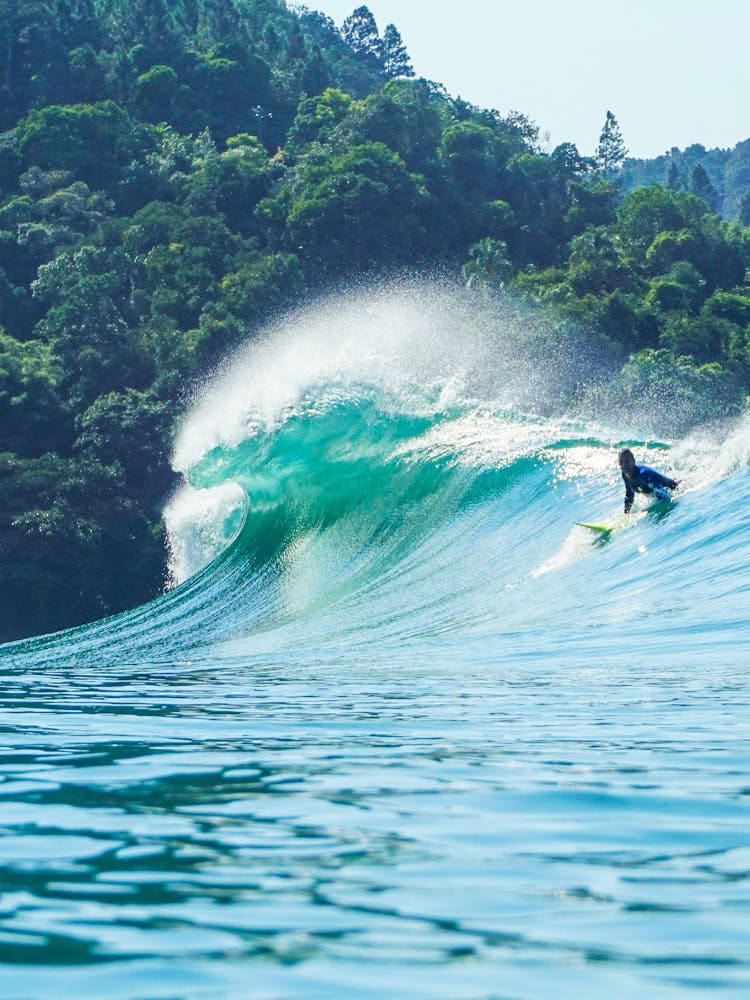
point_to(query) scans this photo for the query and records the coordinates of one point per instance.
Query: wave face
(389, 651)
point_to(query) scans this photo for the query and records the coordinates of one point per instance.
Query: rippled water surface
(509, 831)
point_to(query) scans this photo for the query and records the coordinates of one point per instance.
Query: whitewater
(398, 727)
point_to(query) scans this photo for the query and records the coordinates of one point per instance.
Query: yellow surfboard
(595, 527)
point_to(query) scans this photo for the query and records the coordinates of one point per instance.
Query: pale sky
(673, 72)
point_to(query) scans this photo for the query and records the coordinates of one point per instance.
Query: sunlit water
(403, 729)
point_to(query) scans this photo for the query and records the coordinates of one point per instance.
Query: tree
(355, 210)
(569, 161)
(646, 213)
(93, 141)
(475, 160)
(611, 151)
(684, 392)
(86, 76)
(744, 216)
(155, 91)
(403, 116)
(65, 524)
(317, 117)
(700, 185)
(396, 60)
(593, 203)
(488, 265)
(673, 177)
(703, 338)
(260, 283)
(360, 32)
(33, 416)
(132, 428)
(594, 264)
(231, 183)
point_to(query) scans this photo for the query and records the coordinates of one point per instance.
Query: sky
(673, 72)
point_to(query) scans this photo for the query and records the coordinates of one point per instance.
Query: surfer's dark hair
(624, 452)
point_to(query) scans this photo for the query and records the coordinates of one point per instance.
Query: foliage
(360, 32)
(65, 524)
(354, 209)
(720, 176)
(317, 117)
(396, 60)
(611, 150)
(63, 138)
(488, 265)
(689, 392)
(34, 416)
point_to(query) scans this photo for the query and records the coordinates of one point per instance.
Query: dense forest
(172, 174)
(721, 177)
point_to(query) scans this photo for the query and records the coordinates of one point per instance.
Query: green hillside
(721, 177)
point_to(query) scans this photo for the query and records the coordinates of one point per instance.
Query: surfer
(642, 479)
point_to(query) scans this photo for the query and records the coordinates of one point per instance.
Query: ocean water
(399, 728)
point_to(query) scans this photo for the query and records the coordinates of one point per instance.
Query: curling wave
(398, 468)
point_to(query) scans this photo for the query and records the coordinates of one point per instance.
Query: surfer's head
(627, 461)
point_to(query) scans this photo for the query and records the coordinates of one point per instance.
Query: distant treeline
(174, 173)
(721, 177)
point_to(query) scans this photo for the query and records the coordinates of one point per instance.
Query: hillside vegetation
(721, 177)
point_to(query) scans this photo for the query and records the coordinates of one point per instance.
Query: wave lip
(356, 382)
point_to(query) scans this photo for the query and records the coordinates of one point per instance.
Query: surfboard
(594, 527)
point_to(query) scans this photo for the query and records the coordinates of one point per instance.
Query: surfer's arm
(629, 495)
(655, 478)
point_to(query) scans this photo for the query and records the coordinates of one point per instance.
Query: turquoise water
(399, 728)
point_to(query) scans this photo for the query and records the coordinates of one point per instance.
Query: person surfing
(642, 479)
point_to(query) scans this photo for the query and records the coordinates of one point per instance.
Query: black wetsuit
(646, 480)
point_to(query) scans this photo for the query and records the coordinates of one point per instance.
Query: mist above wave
(424, 345)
